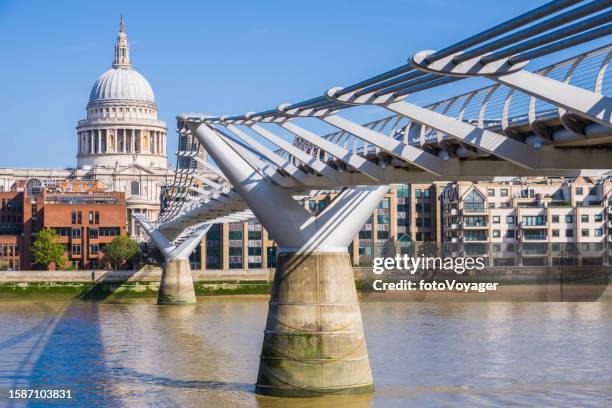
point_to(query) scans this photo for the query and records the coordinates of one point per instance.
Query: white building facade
(531, 222)
(120, 142)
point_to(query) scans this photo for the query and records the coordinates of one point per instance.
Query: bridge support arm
(314, 341)
(176, 283)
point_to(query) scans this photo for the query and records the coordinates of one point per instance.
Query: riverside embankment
(513, 283)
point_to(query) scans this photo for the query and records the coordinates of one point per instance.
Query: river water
(422, 354)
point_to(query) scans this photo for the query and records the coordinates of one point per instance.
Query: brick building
(85, 223)
(15, 230)
(84, 216)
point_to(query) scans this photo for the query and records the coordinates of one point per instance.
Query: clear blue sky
(217, 57)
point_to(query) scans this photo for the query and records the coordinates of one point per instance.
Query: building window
(598, 217)
(510, 219)
(510, 234)
(491, 192)
(254, 235)
(419, 207)
(475, 221)
(599, 232)
(473, 202)
(555, 219)
(76, 249)
(584, 232)
(503, 192)
(531, 220)
(63, 232)
(76, 233)
(496, 233)
(427, 207)
(382, 219)
(97, 217)
(474, 235)
(135, 188)
(94, 249)
(579, 191)
(109, 231)
(365, 234)
(584, 218)
(93, 233)
(569, 233)
(555, 233)
(73, 217)
(496, 219)
(91, 217)
(402, 190)
(569, 218)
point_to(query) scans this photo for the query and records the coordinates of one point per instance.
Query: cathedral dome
(122, 83)
(121, 128)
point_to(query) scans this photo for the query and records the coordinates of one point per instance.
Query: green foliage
(46, 249)
(120, 250)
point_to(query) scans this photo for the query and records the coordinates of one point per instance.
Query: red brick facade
(84, 222)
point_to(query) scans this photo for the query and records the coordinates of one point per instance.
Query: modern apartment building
(530, 221)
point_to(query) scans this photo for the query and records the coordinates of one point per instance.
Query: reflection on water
(422, 354)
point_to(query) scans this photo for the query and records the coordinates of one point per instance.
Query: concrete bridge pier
(314, 342)
(176, 285)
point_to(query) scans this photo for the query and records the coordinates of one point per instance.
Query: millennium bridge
(552, 121)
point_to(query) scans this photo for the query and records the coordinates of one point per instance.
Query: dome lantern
(122, 49)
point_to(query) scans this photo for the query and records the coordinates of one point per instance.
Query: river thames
(422, 354)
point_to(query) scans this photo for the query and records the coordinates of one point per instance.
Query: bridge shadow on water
(66, 350)
(107, 285)
(65, 354)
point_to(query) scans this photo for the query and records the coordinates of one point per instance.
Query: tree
(120, 250)
(46, 250)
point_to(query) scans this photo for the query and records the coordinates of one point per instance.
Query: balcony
(534, 250)
(535, 237)
(476, 249)
(532, 226)
(475, 225)
(474, 209)
(475, 236)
